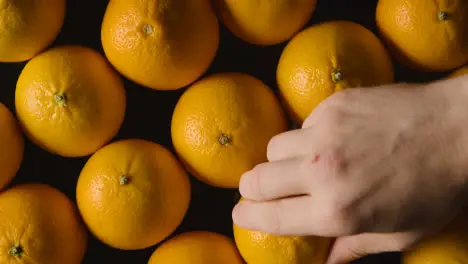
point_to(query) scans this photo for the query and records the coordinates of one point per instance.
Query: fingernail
(236, 214)
(244, 185)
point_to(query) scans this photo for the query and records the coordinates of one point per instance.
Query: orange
(69, 101)
(40, 225)
(222, 124)
(258, 247)
(459, 72)
(27, 27)
(12, 146)
(450, 246)
(326, 58)
(427, 35)
(161, 44)
(197, 247)
(132, 194)
(265, 22)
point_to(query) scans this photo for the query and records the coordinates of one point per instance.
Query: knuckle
(256, 181)
(341, 97)
(336, 162)
(272, 147)
(343, 218)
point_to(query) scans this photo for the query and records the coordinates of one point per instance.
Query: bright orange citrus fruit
(265, 22)
(27, 27)
(39, 225)
(70, 101)
(197, 247)
(12, 146)
(132, 194)
(222, 124)
(161, 44)
(326, 58)
(427, 35)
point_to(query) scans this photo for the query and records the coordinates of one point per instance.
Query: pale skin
(377, 168)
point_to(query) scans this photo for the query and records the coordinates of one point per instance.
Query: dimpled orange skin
(450, 246)
(197, 247)
(265, 22)
(326, 58)
(161, 44)
(12, 146)
(132, 194)
(423, 38)
(222, 124)
(262, 248)
(460, 72)
(27, 27)
(70, 101)
(40, 225)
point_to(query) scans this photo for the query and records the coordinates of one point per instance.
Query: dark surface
(149, 113)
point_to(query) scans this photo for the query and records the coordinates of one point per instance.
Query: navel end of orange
(124, 180)
(16, 251)
(224, 140)
(60, 99)
(337, 76)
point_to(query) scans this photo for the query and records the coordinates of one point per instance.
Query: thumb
(347, 249)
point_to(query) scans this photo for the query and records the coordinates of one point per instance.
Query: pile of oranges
(133, 194)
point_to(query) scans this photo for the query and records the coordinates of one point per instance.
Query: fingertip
(240, 214)
(245, 186)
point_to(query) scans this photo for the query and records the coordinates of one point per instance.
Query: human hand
(379, 168)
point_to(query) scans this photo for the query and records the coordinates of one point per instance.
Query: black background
(149, 113)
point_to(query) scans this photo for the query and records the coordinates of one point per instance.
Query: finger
(274, 180)
(347, 249)
(297, 216)
(288, 145)
(281, 217)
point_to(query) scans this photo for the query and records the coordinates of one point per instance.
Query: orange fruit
(70, 101)
(222, 124)
(425, 35)
(450, 246)
(40, 225)
(161, 44)
(326, 58)
(28, 27)
(459, 72)
(132, 194)
(12, 146)
(265, 22)
(197, 247)
(258, 247)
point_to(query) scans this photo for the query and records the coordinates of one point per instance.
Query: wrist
(452, 95)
